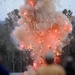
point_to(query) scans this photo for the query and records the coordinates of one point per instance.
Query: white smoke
(41, 27)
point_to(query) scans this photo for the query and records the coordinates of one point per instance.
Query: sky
(7, 6)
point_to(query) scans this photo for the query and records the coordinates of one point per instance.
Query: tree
(65, 11)
(68, 13)
(14, 59)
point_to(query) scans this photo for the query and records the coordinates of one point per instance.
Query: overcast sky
(8, 5)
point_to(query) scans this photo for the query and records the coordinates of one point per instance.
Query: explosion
(41, 28)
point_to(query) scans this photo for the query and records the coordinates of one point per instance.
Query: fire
(35, 65)
(31, 3)
(22, 46)
(43, 29)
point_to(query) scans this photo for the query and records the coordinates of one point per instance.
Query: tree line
(16, 60)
